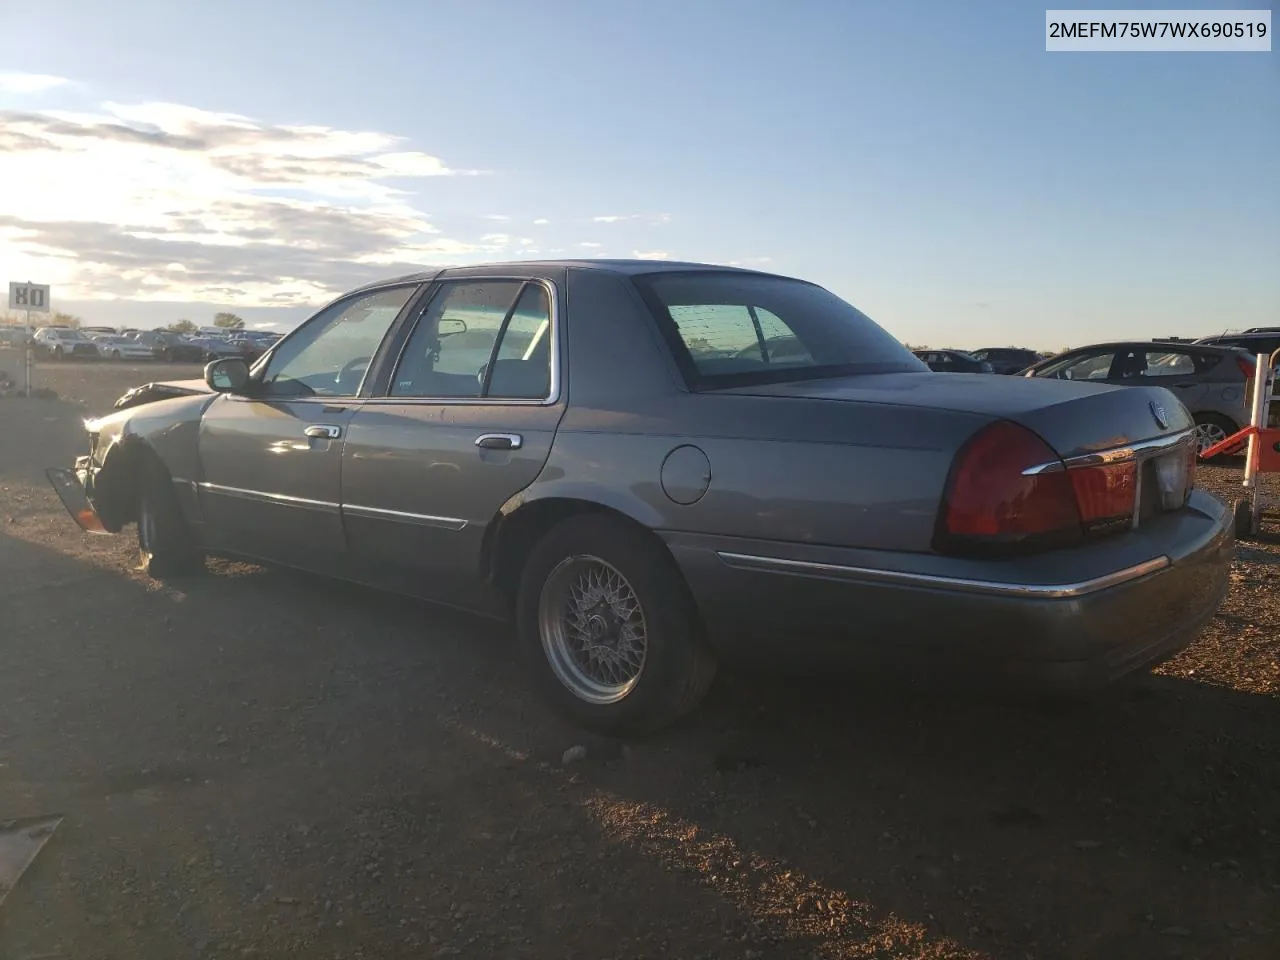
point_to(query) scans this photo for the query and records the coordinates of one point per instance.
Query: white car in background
(122, 348)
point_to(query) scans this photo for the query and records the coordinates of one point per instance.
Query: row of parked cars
(1212, 376)
(106, 343)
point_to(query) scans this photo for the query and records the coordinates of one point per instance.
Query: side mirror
(228, 375)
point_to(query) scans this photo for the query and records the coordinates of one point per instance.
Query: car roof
(1160, 345)
(619, 267)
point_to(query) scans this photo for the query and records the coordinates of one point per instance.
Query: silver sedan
(651, 467)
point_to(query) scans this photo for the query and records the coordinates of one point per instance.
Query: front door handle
(499, 441)
(324, 431)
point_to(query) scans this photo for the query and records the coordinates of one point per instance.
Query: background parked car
(64, 342)
(169, 346)
(953, 361)
(1253, 341)
(1008, 360)
(1213, 382)
(122, 348)
(215, 348)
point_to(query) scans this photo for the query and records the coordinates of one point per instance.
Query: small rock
(1088, 844)
(1175, 932)
(574, 755)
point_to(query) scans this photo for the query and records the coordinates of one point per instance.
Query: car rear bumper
(812, 606)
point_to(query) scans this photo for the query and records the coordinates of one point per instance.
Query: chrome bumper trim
(833, 571)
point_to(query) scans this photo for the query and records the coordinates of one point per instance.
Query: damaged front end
(98, 491)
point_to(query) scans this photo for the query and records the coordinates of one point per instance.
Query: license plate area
(1164, 483)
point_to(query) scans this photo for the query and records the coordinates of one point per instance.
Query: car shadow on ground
(1139, 824)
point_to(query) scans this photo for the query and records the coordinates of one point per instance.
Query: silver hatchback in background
(1214, 383)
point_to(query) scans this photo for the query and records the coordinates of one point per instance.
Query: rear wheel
(165, 542)
(1211, 428)
(608, 629)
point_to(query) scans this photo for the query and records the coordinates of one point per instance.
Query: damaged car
(653, 467)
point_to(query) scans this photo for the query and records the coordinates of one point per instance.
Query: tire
(115, 354)
(58, 353)
(165, 542)
(676, 665)
(1212, 428)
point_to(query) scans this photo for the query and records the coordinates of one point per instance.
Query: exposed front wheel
(608, 629)
(164, 540)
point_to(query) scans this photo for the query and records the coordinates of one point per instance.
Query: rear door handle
(326, 431)
(499, 441)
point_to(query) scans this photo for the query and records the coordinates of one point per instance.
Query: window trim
(384, 398)
(259, 367)
(694, 380)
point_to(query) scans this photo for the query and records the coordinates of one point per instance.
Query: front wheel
(57, 353)
(165, 542)
(608, 629)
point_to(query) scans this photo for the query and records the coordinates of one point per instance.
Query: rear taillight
(1246, 367)
(1008, 490)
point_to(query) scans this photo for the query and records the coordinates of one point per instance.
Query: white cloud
(651, 218)
(30, 82)
(497, 239)
(160, 201)
(651, 254)
(541, 222)
(590, 246)
(527, 241)
(500, 217)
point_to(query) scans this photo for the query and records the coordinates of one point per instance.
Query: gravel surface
(262, 764)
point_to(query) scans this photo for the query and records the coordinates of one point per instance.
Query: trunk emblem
(1162, 418)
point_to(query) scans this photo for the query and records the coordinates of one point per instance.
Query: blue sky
(928, 161)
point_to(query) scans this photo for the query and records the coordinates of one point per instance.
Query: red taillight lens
(1106, 492)
(1246, 367)
(993, 500)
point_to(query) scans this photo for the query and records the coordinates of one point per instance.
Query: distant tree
(228, 321)
(60, 319)
(183, 326)
(916, 346)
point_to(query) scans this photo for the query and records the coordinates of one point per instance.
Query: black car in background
(953, 361)
(1254, 341)
(1008, 360)
(169, 346)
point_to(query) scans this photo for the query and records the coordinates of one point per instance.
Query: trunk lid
(1072, 417)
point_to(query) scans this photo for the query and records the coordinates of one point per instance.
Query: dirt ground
(261, 764)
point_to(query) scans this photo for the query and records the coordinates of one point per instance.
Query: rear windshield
(731, 329)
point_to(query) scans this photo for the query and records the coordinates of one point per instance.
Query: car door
(465, 423)
(271, 458)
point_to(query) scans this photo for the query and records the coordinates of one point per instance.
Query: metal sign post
(28, 297)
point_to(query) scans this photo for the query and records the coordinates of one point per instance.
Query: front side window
(731, 329)
(329, 355)
(1089, 366)
(479, 338)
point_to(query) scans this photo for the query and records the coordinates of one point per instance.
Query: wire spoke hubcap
(593, 629)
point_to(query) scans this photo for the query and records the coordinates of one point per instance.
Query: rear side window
(729, 329)
(1177, 363)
